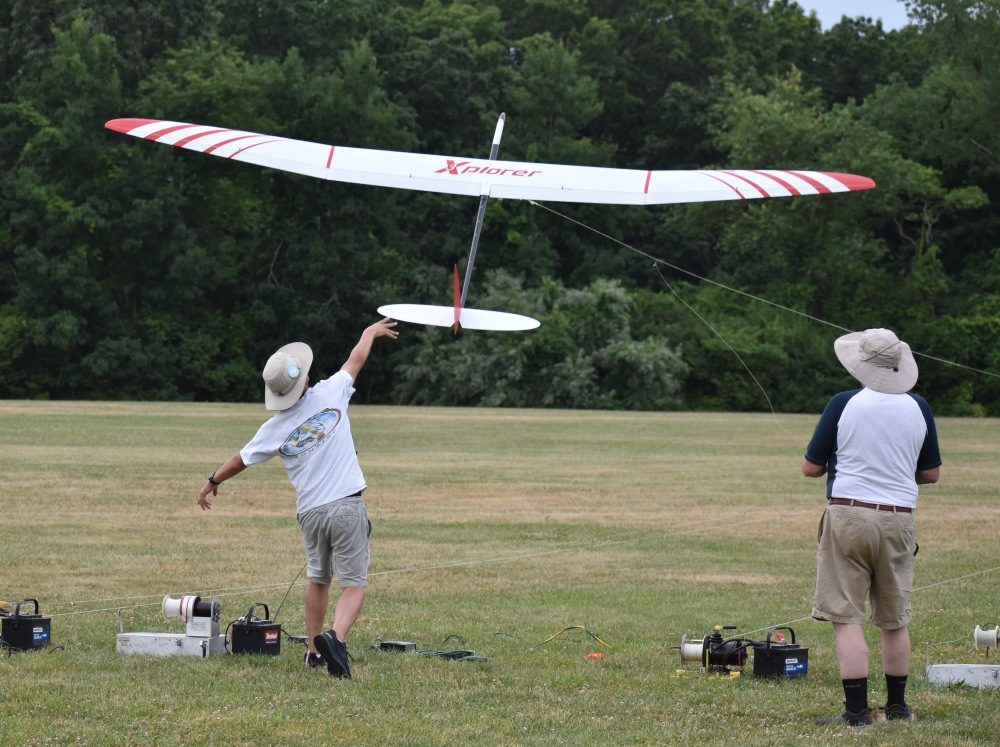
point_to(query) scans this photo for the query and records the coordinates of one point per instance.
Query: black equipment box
(253, 635)
(780, 658)
(25, 632)
(401, 647)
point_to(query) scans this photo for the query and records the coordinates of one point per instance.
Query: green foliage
(447, 61)
(584, 355)
(129, 271)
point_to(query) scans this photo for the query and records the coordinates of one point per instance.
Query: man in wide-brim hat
(876, 445)
(311, 433)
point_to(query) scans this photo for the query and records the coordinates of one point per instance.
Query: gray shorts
(336, 534)
(865, 554)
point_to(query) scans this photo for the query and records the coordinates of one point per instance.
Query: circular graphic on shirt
(311, 433)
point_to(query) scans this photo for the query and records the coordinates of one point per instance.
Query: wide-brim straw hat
(878, 359)
(285, 375)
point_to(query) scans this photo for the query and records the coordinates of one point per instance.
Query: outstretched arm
(360, 353)
(233, 466)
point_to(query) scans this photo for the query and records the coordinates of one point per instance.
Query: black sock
(856, 694)
(896, 687)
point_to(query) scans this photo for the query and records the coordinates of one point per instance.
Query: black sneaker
(848, 718)
(898, 712)
(314, 661)
(334, 651)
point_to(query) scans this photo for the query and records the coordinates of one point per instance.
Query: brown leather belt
(873, 506)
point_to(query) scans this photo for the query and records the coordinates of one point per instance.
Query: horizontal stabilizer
(444, 316)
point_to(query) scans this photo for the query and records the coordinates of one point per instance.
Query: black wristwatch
(211, 480)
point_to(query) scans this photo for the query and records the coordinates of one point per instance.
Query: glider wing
(479, 177)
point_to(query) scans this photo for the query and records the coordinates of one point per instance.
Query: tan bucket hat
(285, 375)
(878, 359)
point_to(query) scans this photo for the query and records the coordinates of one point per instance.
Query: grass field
(502, 528)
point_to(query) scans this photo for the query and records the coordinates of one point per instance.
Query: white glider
(485, 178)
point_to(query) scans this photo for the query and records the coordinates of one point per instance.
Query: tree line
(134, 271)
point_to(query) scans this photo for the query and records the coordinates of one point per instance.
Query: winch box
(780, 658)
(170, 644)
(254, 635)
(20, 632)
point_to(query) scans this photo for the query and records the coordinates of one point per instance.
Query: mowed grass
(494, 530)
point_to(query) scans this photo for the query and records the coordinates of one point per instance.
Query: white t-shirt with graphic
(313, 438)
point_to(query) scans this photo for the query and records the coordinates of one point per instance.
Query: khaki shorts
(336, 534)
(865, 554)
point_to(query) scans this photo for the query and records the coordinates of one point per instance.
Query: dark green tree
(585, 355)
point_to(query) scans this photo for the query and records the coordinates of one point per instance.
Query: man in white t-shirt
(876, 445)
(312, 434)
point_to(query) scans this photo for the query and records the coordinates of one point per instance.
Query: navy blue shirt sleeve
(930, 452)
(822, 448)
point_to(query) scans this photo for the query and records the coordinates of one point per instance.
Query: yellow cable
(576, 627)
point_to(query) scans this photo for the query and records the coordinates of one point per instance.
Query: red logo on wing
(487, 168)
(451, 168)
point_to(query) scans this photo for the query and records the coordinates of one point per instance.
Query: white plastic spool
(182, 608)
(986, 638)
(692, 649)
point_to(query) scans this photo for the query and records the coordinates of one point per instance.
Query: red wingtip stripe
(127, 125)
(853, 182)
(792, 190)
(329, 158)
(723, 181)
(254, 145)
(649, 176)
(190, 138)
(752, 184)
(166, 131)
(818, 186)
(215, 147)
